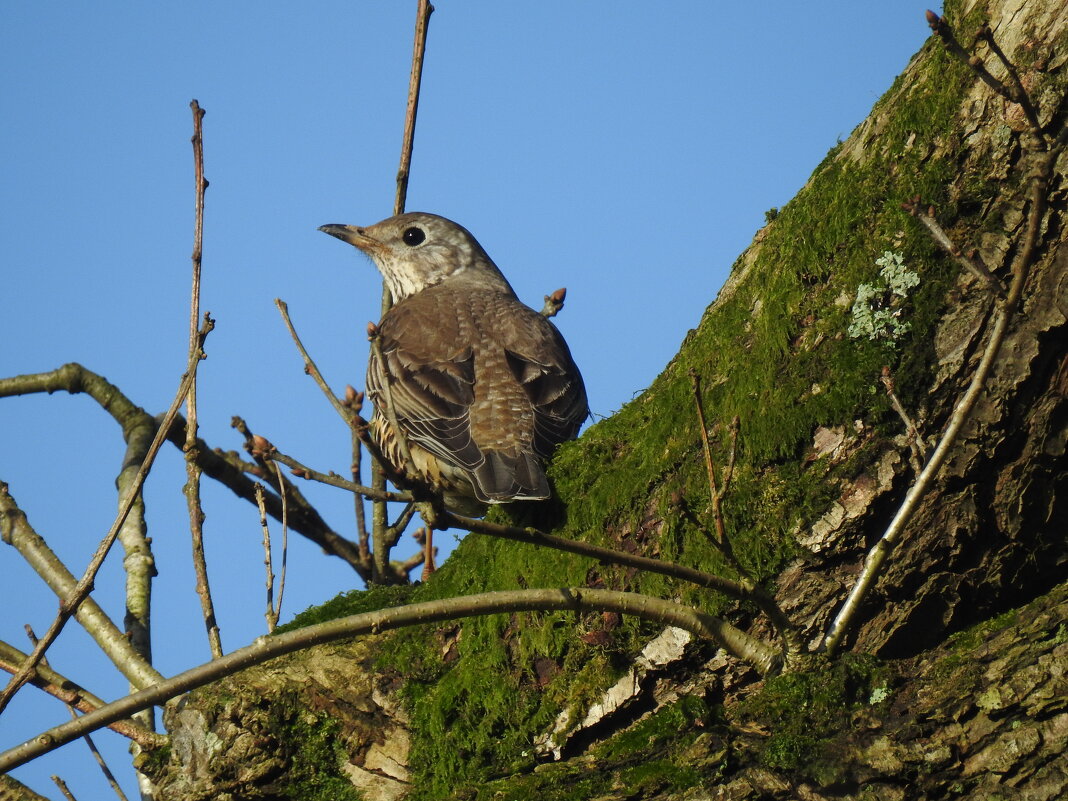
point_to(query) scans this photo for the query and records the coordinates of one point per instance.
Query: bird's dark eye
(413, 236)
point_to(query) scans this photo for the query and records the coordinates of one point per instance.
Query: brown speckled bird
(483, 388)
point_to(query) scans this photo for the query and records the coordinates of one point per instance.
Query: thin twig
(70, 692)
(354, 403)
(380, 533)
(570, 599)
(69, 605)
(1019, 93)
(970, 262)
(268, 562)
(1015, 93)
(917, 451)
(16, 531)
(285, 548)
(422, 21)
(88, 740)
(196, 353)
(333, 479)
(62, 785)
(225, 467)
(108, 775)
(721, 540)
(309, 364)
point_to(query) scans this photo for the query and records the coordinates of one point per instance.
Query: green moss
(353, 602)
(153, 762)
(670, 749)
(314, 771)
(806, 711)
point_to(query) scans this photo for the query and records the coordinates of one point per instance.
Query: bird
(481, 387)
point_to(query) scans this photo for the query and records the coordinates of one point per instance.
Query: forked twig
(1015, 94)
(70, 692)
(970, 261)
(917, 451)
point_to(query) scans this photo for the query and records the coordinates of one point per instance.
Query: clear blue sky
(626, 151)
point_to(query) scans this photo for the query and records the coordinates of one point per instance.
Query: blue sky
(626, 151)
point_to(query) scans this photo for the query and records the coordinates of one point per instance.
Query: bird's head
(418, 250)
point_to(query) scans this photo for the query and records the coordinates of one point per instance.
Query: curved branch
(742, 645)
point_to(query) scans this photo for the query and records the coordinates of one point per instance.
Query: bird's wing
(541, 362)
(428, 347)
(431, 377)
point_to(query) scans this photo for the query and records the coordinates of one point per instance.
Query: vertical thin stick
(285, 542)
(422, 21)
(108, 775)
(192, 486)
(379, 517)
(88, 740)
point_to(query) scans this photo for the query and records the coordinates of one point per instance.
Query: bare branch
(310, 367)
(422, 21)
(1015, 93)
(762, 656)
(333, 479)
(970, 262)
(1025, 257)
(917, 451)
(70, 692)
(62, 785)
(108, 775)
(16, 531)
(196, 353)
(70, 604)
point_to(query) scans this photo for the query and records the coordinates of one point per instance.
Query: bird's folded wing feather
(431, 369)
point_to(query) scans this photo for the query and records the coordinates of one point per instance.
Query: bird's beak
(352, 234)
